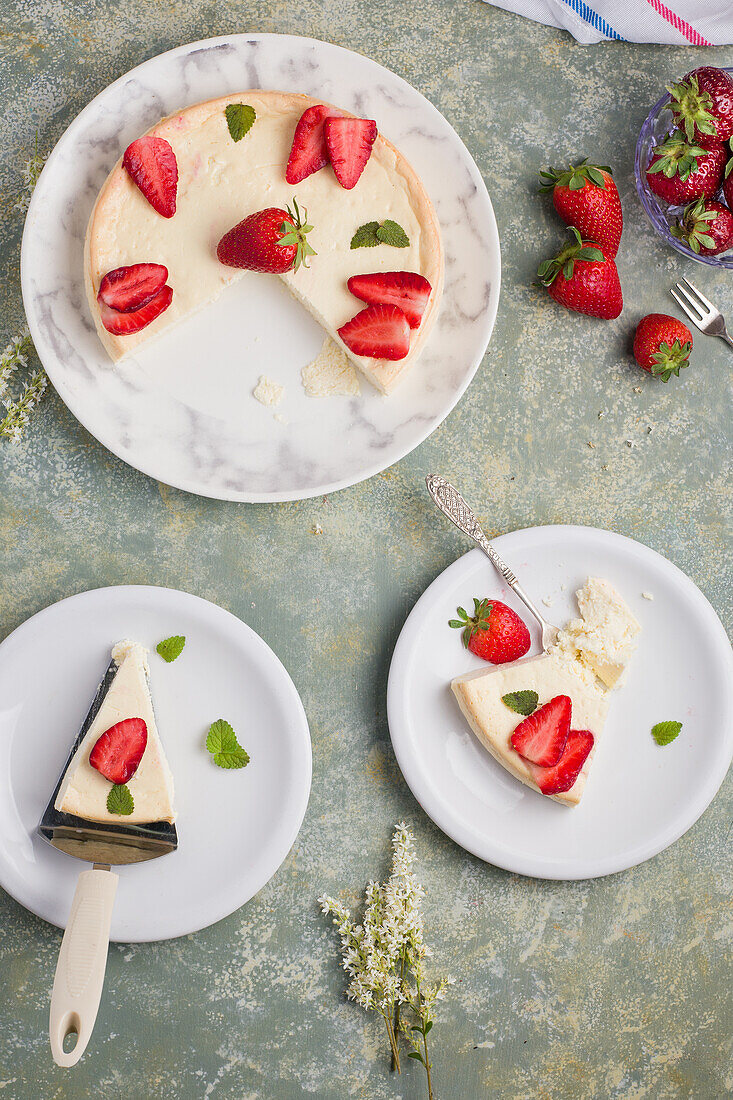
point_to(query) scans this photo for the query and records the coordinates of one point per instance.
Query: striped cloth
(688, 22)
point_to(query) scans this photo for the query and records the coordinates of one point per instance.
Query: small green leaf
(415, 1054)
(393, 234)
(366, 236)
(240, 119)
(664, 732)
(457, 624)
(428, 1026)
(170, 648)
(521, 702)
(120, 801)
(221, 741)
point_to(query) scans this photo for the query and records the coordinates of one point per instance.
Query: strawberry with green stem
(494, 632)
(580, 278)
(680, 170)
(272, 241)
(706, 227)
(662, 345)
(584, 195)
(702, 105)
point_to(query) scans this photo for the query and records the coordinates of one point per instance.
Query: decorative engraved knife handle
(452, 505)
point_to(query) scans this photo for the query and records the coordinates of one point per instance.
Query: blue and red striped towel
(679, 23)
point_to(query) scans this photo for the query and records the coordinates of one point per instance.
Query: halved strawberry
(349, 142)
(119, 750)
(379, 332)
(128, 288)
(309, 152)
(124, 324)
(405, 289)
(542, 737)
(152, 165)
(562, 776)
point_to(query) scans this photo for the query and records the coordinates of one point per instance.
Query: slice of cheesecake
(590, 657)
(479, 696)
(84, 790)
(221, 181)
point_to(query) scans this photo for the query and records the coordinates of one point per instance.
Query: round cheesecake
(221, 181)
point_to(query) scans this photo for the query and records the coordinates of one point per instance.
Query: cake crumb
(591, 445)
(316, 529)
(630, 443)
(601, 415)
(637, 389)
(647, 595)
(547, 601)
(330, 374)
(268, 392)
(605, 466)
(563, 587)
(280, 418)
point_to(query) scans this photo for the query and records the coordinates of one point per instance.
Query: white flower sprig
(30, 171)
(384, 955)
(17, 413)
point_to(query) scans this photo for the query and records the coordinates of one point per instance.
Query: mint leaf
(664, 732)
(221, 741)
(170, 648)
(240, 118)
(521, 702)
(391, 233)
(366, 236)
(119, 800)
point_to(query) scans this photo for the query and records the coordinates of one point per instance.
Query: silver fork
(703, 313)
(452, 505)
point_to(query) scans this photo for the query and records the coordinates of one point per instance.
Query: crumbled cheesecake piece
(330, 374)
(268, 392)
(604, 638)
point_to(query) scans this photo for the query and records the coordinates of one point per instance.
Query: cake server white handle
(77, 987)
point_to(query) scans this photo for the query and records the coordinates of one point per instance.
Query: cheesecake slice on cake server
(113, 804)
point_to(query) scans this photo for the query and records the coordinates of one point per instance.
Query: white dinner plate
(235, 828)
(182, 409)
(639, 797)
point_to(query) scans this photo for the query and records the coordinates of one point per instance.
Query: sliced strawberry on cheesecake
(541, 738)
(124, 324)
(128, 288)
(118, 752)
(151, 164)
(309, 152)
(349, 142)
(562, 776)
(406, 289)
(379, 332)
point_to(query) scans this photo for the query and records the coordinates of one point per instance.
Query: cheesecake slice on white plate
(84, 790)
(589, 659)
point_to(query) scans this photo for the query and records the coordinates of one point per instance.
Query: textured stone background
(614, 988)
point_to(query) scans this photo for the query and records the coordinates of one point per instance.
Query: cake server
(77, 986)
(452, 505)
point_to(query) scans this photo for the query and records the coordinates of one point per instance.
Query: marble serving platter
(182, 409)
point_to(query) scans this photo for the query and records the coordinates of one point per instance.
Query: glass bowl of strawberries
(684, 166)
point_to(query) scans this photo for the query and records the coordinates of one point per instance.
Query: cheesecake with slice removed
(121, 747)
(541, 717)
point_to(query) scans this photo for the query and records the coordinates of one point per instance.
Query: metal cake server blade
(79, 979)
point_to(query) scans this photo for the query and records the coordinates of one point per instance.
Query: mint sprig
(221, 741)
(521, 702)
(371, 234)
(170, 648)
(120, 801)
(240, 119)
(664, 732)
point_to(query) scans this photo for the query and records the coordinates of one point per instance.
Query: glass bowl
(655, 129)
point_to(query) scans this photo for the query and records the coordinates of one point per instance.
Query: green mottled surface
(613, 988)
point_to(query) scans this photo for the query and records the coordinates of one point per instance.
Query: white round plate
(639, 797)
(182, 409)
(234, 827)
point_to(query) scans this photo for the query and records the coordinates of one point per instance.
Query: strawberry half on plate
(151, 164)
(118, 751)
(406, 289)
(309, 152)
(349, 142)
(378, 332)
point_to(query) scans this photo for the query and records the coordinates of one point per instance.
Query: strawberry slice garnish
(152, 165)
(379, 332)
(405, 289)
(309, 152)
(119, 750)
(349, 142)
(542, 737)
(124, 324)
(562, 776)
(129, 288)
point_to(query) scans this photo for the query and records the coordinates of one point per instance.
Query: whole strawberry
(679, 171)
(702, 105)
(662, 345)
(271, 240)
(706, 227)
(582, 279)
(585, 196)
(494, 632)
